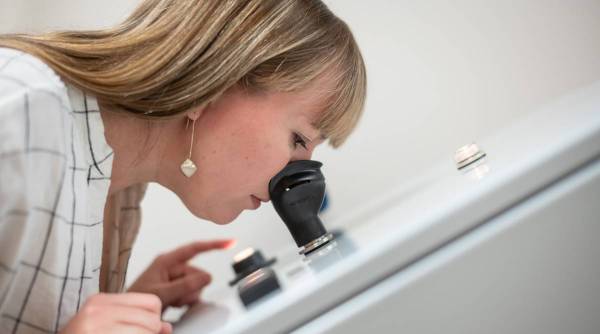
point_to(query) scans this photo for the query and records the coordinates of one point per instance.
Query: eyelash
(299, 141)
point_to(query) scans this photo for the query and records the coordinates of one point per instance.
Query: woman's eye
(299, 141)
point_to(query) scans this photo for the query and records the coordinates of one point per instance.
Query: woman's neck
(140, 147)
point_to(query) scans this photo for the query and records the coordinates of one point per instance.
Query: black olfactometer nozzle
(297, 193)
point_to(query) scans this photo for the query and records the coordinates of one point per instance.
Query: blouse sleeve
(33, 162)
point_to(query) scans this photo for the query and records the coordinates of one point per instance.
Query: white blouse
(55, 167)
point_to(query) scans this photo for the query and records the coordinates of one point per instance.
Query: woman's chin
(224, 218)
(219, 217)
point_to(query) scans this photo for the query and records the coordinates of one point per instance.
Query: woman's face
(241, 141)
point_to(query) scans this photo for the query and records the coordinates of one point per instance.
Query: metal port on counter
(468, 155)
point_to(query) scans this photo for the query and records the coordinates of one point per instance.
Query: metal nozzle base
(309, 247)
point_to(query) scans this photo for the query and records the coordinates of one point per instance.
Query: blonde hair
(170, 56)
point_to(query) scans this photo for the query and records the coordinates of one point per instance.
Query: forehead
(311, 101)
(306, 106)
(301, 109)
(241, 107)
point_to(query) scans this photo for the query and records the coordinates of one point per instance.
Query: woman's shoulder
(34, 108)
(24, 66)
(24, 75)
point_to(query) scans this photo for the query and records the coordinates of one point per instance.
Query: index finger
(185, 253)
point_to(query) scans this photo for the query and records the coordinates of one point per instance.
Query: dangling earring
(188, 168)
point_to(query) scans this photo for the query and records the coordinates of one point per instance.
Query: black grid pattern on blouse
(68, 170)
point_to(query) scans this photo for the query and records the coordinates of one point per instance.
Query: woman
(207, 98)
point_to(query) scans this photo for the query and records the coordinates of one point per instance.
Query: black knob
(251, 262)
(248, 261)
(297, 193)
(256, 286)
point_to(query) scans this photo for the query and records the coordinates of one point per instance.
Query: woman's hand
(174, 281)
(119, 313)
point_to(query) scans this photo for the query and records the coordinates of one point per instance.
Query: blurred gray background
(441, 74)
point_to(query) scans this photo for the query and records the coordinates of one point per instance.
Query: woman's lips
(262, 200)
(255, 201)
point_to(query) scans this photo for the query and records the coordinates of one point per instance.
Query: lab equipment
(297, 193)
(507, 243)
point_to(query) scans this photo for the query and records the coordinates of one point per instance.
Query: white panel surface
(533, 269)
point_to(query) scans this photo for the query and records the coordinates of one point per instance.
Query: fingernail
(230, 243)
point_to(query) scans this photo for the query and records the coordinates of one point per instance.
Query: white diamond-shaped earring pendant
(188, 167)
